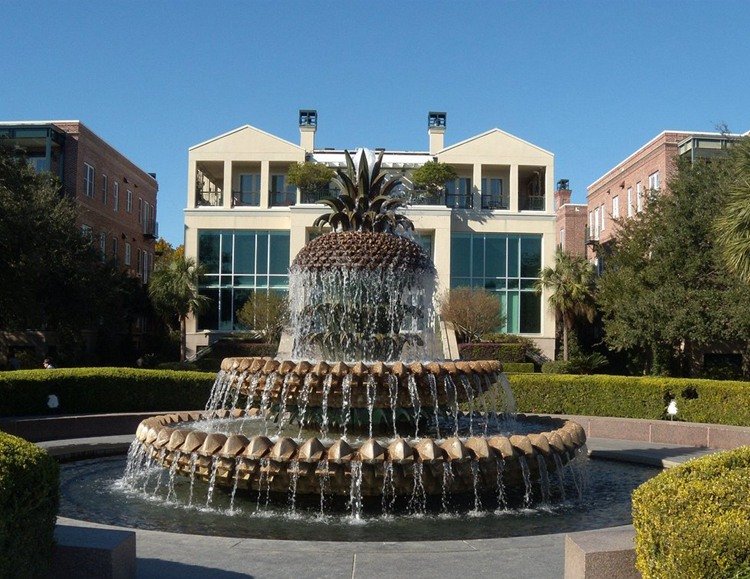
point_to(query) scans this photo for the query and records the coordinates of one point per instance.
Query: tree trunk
(183, 339)
(565, 342)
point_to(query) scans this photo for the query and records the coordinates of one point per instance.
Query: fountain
(364, 410)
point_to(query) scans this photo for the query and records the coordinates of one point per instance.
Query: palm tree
(571, 290)
(173, 289)
(733, 223)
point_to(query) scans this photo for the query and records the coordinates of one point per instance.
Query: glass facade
(238, 263)
(505, 264)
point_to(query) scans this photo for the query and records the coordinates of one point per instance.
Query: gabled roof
(492, 131)
(243, 128)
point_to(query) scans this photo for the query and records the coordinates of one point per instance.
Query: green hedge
(694, 520)
(527, 367)
(492, 351)
(102, 390)
(713, 401)
(29, 482)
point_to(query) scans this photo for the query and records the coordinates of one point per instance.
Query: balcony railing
(245, 198)
(490, 201)
(532, 203)
(209, 198)
(459, 200)
(315, 196)
(150, 229)
(282, 198)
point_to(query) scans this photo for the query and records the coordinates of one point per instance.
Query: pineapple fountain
(364, 414)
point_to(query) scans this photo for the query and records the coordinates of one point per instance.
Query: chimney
(562, 194)
(436, 131)
(308, 123)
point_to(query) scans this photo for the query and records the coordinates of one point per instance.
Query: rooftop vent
(308, 118)
(435, 119)
(563, 185)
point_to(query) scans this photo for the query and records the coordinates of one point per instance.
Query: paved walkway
(163, 555)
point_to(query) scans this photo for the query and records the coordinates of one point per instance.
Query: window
(105, 189)
(596, 223)
(508, 266)
(115, 247)
(238, 263)
(602, 211)
(140, 264)
(630, 202)
(591, 225)
(492, 194)
(129, 201)
(87, 233)
(103, 245)
(458, 193)
(639, 197)
(653, 181)
(616, 207)
(88, 180)
(249, 193)
(562, 238)
(116, 197)
(127, 253)
(140, 210)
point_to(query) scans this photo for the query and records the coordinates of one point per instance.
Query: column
(227, 188)
(514, 193)
(265, 183)
(476, 182)
(191, 200)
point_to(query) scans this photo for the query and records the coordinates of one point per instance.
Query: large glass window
(507, 265)
(237, 263)
(458, 193)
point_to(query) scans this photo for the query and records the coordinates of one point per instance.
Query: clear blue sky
(589, 81)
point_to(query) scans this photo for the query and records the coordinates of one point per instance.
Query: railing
(282, 198)
(532, 203)
(150, 229)
(315, 196)
(245, 198)
(209, 198)
(490, 201)
(459, 200)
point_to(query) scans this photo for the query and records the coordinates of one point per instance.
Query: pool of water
(93, 490)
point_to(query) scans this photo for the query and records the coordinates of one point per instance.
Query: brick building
(116, 197)
(571, 221)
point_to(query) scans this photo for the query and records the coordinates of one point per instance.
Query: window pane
(244, 252)
(477, 257)
(531, 256)
(244, 280)
(513, 312)
(279, 281)
(494, 256)
(226, 252)
(240, 297)
(460, 252)
(209, 319)
(208, 250)
(460, 281)
(279, 261)
(531, 313)
(225, 309)
(512, 256)
(261, 262)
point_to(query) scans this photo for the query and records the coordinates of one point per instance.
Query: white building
(493, 228)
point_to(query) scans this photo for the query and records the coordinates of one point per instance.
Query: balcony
(150, 229)
(532, 203)
(315, 196)
(459, 200)
(494, 201)
(282, 198)
(245, 198)
(209, 198)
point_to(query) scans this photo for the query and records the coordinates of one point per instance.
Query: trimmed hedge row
(102, 390)
(712, 401)
(29, 481)
(694, 520)
(527, 367)
(493, 351)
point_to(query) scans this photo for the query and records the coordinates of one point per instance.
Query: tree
(173, 289)
(432, 176)
(571, 291)
(733, 223)
(311, 178)
(664, 290)
(266, 312)
(474, 311)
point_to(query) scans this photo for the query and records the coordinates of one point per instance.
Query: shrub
(694, 520)
(714, 401)
(473, 311)
(491, 351)
(555, 367)
(526, 367)
(102, 390)
(29, 483)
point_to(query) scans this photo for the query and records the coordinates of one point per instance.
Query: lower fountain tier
(379, 385)
(260, 463)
